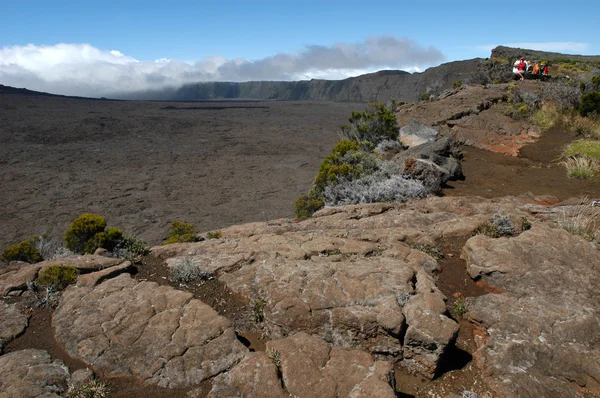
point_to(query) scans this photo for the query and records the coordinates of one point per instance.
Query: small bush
(181, 231)
(186, 272)
(378, 187)
(131, 249)
(24, 251)
(596, 81)
(459, 308)
(57, 277)
(214, 235)
(87, 233)
(498, 226)
(258, 310)
(565, 95)
(590, 104)
(275, 356)
(347, 161)
(580, 167)
(306, 205)
(375, 124)
(90, 389)
(457, 84)
(548, 116)
(583, 127)
(425, 97)
(584, 221)
(525, 224)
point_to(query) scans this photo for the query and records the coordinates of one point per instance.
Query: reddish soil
(536, 170)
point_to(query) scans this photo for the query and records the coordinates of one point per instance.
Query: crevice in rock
(453, 358)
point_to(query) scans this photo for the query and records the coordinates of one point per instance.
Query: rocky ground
(368, 300)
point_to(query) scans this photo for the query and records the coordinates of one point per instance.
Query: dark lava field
(143, 164)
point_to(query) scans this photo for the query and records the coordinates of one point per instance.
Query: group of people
(521, 66)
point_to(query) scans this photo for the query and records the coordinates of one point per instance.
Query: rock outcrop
(13, 322)
(309, 367)
(540, 335)
(32, 374)
(156, 333)
(473, 115)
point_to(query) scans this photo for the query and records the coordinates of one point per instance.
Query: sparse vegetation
(580, 167)
(214, 235)
(583, 126)
(185, 271)
(425, 97)
(131, 249)
(307, 205)
(589, 148)
(375, 124)
(498, 226)
(25, 251)
(583, 221)
(457, 84)
(91, 389)
(459, 308)
(547, 116)
(258, 310)
(525, 224)
(181, 231)
(275, 356)
(433, 251)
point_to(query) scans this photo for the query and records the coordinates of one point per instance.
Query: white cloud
(555, 46)
(81, 69)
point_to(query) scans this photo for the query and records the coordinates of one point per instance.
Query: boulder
(13, 322)
(540, 336)
(156, 333)
(32, 373)
(415, 133)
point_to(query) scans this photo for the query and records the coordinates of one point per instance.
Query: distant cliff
(379, 86)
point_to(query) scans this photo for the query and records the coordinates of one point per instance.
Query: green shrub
(547, 116)
(377, 123)
(580, 167)
(425, 97)
(307, 205)
(57, 277)
(81, 235)
(457, 84)
(347, 161)
(214, 235)
(181, 231)
(459, 308)
(258, 310)
(590, 103)
(596, 80)
(24, 251)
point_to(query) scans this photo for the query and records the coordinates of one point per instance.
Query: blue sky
(247, 40)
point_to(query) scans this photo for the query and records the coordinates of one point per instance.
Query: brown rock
(540, 335)
(156, 333)
(32, 373)
(13, 322)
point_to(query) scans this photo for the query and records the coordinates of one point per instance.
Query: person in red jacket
(519, 68)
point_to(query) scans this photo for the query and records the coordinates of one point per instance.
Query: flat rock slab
(15, 277)
(308, 367)
(348, 275)
(540, 336)
(32, 373)
(156, 333)
(13, 322)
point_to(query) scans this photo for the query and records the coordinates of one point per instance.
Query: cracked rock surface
(12, 322)
(32, 373)
(309, 367)
(348, 275)
(156, 333)
(541, 334)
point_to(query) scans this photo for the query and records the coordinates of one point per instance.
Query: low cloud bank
(81, 69)
(555, 46)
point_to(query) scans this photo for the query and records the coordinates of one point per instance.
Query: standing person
(519, 68)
